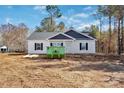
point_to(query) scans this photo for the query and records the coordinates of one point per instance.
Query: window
(56, 44)
(38, 46)
(83, 46)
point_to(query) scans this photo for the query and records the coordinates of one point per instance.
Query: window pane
(56, 44)
(86, 46)
(41, 46)
(38, 46)
(82, 46)
(51, 44)
(61, 44)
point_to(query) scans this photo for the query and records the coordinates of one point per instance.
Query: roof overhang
(4, 47)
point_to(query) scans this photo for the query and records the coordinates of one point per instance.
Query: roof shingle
(77, 35)
(41, 35)
(66, 35)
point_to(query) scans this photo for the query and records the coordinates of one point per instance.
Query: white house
(73, 41)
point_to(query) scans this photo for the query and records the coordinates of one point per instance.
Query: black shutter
(41, 46)
(35, 46)
(80, 46)
(51, 44)
(61, 44)
(86, 46)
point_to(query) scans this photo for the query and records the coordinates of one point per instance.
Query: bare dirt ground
(85, 71)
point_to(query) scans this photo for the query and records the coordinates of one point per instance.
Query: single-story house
(73, 41)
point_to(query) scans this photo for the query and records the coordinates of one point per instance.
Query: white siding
(74, 47)
(31, 47)
(70, 46)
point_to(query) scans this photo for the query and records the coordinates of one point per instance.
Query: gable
(77, 35)
(60, 36)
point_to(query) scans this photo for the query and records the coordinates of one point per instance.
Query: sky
(77, 16)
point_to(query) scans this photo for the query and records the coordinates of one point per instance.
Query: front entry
(68, 46)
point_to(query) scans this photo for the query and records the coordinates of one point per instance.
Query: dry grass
(16, 71)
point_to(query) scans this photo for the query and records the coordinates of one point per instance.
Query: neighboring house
(3, 49)
(73, 41)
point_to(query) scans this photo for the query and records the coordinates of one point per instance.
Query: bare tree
(14, 37)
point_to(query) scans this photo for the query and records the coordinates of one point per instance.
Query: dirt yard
(85, 71)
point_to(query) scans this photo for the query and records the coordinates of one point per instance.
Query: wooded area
(14, 37)
(112, 40)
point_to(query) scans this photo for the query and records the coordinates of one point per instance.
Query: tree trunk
(119, 41)
(122, 36)
(99, 42)
(114, 24)
(51, 17)
(48, 27)
(50, 22)
(109, 46)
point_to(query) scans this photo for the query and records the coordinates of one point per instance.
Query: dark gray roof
(66, 35)
(61, 36)
(41, 35)
(77, 35)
